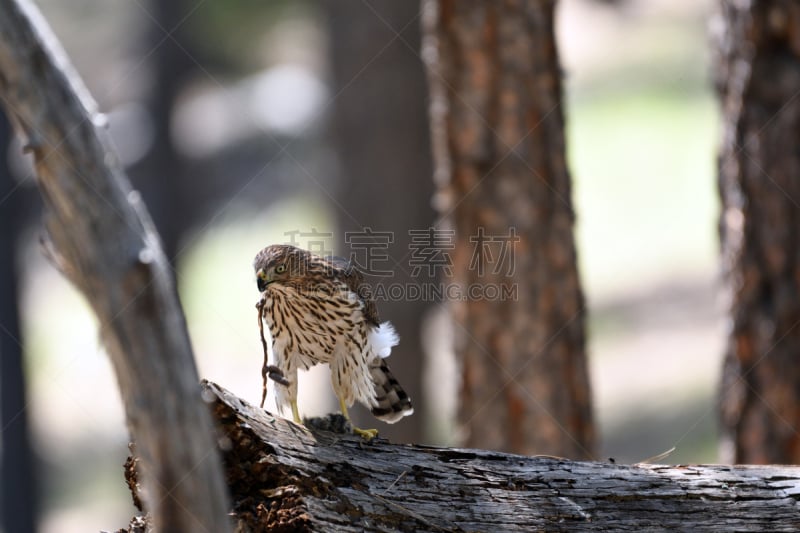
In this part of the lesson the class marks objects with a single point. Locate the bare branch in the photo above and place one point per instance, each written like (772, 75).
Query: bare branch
(106, 243)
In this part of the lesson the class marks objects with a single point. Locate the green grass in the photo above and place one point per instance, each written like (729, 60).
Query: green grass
(644, 185)
(642, 158)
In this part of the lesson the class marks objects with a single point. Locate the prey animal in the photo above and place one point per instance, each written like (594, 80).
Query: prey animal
(320, 310)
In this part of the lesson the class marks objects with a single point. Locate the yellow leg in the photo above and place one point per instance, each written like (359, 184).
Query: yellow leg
(367, 434)
(295, 414)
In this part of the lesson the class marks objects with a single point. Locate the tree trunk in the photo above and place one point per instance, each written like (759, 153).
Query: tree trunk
(103, 240)
(158, 176)
(758, 78)
(284, 477)
(498, 133)
(380, 131)
(19, 498)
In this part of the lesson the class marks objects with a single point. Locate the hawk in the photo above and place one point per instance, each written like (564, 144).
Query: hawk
(320, 310)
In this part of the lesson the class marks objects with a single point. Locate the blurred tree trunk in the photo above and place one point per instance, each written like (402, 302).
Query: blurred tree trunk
(498, 133)
(380, 131)
(158, 174)
(758, 78)
(102, 239)
(18, 481)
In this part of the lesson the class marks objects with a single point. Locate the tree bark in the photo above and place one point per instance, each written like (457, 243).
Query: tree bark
(758, 78)
(498, 138)
(380, 132)
(104, 241)
(284, 477)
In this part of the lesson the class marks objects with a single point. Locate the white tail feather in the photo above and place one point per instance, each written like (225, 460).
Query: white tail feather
(382, 339)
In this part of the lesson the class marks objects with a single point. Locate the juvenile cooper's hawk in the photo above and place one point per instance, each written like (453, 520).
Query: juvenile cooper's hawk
(319, 310)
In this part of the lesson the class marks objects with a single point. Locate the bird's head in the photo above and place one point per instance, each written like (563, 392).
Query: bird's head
(279, 263)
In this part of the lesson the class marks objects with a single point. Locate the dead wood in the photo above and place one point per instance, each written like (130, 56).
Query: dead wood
(284, 477)
(102, 238)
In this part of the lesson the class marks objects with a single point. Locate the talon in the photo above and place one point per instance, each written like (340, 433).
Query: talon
(275, 374)
(366, 434)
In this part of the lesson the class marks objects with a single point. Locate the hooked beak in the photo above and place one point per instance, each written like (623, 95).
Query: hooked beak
(262, 280)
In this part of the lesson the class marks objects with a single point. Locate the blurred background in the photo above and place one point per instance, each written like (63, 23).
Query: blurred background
(254, 108)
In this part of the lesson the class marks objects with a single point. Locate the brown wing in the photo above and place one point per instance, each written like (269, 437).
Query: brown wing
(355, 281)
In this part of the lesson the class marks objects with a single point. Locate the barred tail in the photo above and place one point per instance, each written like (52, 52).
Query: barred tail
(391, 401)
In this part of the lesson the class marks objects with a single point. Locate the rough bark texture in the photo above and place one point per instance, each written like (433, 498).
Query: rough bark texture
(104, 241)
(286, 478)
(758, 78)
(498, 134)
(380, 131)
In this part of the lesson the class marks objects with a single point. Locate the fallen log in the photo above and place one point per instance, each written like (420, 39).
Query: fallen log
(285, 477)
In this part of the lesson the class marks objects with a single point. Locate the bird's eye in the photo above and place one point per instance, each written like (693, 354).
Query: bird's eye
(280, 269)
